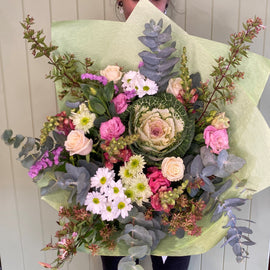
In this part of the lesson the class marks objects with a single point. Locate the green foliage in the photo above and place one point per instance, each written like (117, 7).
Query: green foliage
(225, 73)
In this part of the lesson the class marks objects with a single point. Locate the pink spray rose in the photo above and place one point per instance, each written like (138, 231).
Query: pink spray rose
(217, 139)
(120, 103)
(111, 129)
(77, 143)
(156, 179)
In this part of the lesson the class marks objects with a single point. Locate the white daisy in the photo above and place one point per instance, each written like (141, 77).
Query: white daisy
(121, 206)
(108, 213)
(132, 80)
(125, 174)
(141, 189)
(95, 202)
(136, 164)
(115, 189)
(147, 87)
(102, 178)
(83, 119)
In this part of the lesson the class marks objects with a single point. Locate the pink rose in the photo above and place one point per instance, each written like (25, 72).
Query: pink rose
(217, 139)
(77, 143)
(157, 180)
(111, 129)
(120, 103)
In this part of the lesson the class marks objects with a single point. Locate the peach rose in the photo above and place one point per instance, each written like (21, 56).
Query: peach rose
(173, 168)
(112, 73)
(77, 143)
(175, 87)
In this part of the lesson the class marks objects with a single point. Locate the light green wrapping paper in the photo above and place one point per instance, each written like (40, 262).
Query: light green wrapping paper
(109, 43)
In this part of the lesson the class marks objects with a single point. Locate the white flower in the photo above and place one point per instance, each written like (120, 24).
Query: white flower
(132, 80)
(141, 189)
(125, 174)
(95, 202)
(121, 206)
(147, 87)
(115, 189)
(83, 119)
(102, 178)
(173, 168)
(136, 164)
(108, 213)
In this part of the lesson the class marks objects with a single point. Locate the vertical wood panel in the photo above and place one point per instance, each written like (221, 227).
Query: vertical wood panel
(199, 21)
(63, 10)
(225, 19)
(9, 213)
(19, 113)
(110, 10)
(91, 9)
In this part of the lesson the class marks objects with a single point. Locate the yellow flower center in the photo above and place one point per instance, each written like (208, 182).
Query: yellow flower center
(96, 200)
(121, 205)
(84, 121)
(103, 180)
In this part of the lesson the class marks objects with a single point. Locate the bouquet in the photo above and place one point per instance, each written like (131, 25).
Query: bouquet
(145, 155)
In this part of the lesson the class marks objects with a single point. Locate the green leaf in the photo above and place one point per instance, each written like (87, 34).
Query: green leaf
(108, 92)
(96, 105)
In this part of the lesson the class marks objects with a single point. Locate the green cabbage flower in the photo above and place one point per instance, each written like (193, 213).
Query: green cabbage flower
(163, 125)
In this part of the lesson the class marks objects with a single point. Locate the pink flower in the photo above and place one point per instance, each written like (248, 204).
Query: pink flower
(155, 202)
(111, 129)
(217, 139)
(120, 103)
(156, 179)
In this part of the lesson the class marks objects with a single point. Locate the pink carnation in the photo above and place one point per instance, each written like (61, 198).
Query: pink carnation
(217, 139)
(155, 202)
(111, 129)
(120, 103)
(156, 179)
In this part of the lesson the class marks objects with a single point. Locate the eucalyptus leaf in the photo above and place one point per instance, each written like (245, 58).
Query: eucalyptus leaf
(73, 105)
(18, 140)
(59, 138)
(28, 146)
(138, 251)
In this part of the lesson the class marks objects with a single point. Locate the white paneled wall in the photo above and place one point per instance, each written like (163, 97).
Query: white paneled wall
(26, 98)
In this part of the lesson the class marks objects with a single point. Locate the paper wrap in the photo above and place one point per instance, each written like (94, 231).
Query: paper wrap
(109, 43)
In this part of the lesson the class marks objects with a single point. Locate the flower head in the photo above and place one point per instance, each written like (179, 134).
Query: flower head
(102, 178)
(83, 119)
(111, 129)
(95, 202)
(121, 206)
(136, 164)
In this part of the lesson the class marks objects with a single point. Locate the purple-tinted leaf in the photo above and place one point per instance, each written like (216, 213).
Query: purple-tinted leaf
(245, 230)
(208, 186)
(209, 170)
(222, 158)
(207, 157)
(222, 189)
(233, 202)
(237, 249)
(196, 166)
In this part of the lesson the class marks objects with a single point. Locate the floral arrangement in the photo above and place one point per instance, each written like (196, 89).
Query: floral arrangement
(139, 154)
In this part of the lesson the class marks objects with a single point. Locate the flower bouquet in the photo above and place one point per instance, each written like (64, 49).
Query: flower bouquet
(152, 154)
